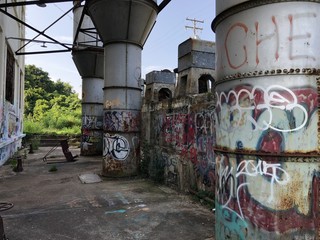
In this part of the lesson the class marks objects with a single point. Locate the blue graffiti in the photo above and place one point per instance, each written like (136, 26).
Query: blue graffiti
(229, 225)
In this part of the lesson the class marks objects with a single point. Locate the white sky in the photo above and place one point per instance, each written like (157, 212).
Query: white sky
(160, 51)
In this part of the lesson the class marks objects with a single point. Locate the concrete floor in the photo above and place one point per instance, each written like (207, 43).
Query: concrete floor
(58, 206)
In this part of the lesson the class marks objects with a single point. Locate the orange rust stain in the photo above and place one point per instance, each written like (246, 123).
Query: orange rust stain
(292, 195)
(112, 165)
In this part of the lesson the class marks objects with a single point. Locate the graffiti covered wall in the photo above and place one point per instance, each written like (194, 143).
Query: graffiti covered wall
(266, 116)
(185, 133)
(91, 135)
(259, 198)
(10, 132)
(267, 121)
(120, 153)
(270, 180)
(121, 143)
(11, 85)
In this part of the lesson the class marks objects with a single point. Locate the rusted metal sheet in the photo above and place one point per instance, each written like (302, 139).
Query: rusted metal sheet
(267, 120)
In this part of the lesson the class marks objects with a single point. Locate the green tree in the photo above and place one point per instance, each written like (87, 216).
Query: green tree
(52, 105)
(31, 96)
(63, 88)
(37, 78)
(41, 107)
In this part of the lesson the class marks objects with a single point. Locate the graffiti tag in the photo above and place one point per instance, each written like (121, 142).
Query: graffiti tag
(116, 146)
(258, 99)
(230, 184)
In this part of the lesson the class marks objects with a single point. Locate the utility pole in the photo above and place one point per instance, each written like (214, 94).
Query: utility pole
(194, 27)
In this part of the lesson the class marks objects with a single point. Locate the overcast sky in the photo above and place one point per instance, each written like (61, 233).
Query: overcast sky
(160, 50)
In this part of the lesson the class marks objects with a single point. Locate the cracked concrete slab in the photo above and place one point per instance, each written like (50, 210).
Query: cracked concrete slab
(57, 206)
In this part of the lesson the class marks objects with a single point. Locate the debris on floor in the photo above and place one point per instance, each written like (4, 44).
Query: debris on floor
(90, 178)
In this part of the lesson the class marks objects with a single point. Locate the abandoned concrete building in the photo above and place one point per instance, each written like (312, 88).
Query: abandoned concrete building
(111, 106)
(238, 118)
(11, 84)
(178, 119)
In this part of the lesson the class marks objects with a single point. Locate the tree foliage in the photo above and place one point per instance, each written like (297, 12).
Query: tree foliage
(53, 105)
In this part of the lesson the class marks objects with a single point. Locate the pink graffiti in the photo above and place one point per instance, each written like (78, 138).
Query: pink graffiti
(238, 58)
(245, 30)
(267, 37)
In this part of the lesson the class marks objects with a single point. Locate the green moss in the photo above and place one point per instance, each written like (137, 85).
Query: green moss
(53, 168)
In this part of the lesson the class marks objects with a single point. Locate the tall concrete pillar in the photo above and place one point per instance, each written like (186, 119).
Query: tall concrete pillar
(88, 57)
(123, 26)
(267, 119)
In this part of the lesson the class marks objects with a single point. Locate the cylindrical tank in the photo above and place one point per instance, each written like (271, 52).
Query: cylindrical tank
(92, 117)
(122, 107)
(88, 57)
(123, 26)
(267, 120)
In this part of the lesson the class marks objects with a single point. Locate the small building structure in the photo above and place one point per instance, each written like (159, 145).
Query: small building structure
(196, 67)
(180, 130)
(160, 85)
(11, 84)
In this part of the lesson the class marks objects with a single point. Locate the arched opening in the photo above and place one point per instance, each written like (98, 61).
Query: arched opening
(164, 93)
(205, 82)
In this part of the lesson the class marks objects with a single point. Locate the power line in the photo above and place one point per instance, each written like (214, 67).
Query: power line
(194, 27)
(63, 11)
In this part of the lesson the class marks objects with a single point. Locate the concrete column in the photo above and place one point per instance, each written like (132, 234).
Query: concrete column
(88, 58)
(123, 26)
(267, 120)
(122, 107)
(92, 116)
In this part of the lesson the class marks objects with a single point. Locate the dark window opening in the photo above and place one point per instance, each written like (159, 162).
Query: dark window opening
(205, 82)
(10, 77)
(148, 94)
(164, 93)
(183, 85)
